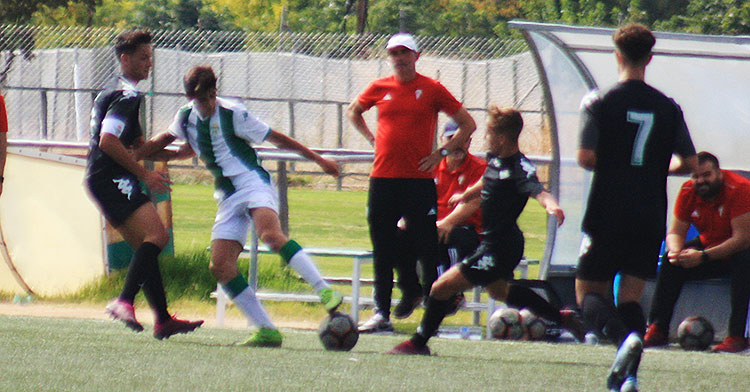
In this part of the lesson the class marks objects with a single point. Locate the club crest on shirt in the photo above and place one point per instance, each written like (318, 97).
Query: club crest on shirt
(503, 174)
(128, 93)
(528, 167)
(721, 210)
(695, 214)
(485, 263)
(418, 93)
(214, 130)
(461, 179)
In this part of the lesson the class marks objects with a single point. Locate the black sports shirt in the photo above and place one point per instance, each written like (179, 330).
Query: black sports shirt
(633, 129)
(508, 183)
(116, 110)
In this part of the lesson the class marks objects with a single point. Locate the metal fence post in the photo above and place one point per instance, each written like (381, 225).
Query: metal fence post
(290, 105)
(43, 113)
(283, 185)
(340, 142)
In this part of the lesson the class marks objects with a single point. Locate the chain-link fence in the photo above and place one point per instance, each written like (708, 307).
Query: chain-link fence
(298, 83)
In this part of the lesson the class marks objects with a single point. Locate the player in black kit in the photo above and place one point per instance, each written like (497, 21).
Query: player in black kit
(112, 178)
(507, 183)
(629, 135)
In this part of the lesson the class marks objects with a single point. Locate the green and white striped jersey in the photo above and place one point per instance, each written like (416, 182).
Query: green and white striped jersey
(223, 142)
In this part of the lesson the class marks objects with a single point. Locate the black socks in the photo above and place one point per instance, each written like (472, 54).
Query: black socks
(144, 272)
(524, 297)
(433, 315)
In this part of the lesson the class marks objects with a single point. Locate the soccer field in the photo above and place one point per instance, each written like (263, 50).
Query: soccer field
(44, 354)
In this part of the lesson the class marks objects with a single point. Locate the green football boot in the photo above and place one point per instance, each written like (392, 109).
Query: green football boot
(331, 299)
(264, 337)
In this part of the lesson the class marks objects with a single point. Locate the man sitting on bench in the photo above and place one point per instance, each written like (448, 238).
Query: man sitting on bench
(717, 202)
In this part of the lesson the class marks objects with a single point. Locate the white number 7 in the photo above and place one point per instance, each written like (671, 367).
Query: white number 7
(645, 123)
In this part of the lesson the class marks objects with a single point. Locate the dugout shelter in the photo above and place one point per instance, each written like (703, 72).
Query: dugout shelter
(707, 75)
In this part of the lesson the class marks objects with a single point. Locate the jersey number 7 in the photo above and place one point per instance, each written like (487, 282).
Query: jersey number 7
(645, 121)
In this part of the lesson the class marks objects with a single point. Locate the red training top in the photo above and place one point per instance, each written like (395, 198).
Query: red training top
(449, 183)
(407, 119)
(3, 116)
(713, 218)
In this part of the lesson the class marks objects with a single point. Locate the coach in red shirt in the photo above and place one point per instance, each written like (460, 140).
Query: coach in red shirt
(717, 203)
(401, 183)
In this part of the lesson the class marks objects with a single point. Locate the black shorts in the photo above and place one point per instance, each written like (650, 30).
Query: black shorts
(493, 260)
(604, 255)
(117, 197)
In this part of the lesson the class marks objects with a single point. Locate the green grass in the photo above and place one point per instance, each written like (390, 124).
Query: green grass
(41, 354)
(317, 218)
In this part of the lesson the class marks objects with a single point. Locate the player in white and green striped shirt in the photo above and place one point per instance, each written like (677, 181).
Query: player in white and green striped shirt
(221, 133)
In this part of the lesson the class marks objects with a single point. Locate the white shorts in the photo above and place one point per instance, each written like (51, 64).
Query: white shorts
(233, 215)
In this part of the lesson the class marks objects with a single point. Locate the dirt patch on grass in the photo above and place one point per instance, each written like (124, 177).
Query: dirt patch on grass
(144, 315)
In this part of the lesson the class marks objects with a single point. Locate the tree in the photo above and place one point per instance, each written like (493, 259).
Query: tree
(730, 17)
(21, 11)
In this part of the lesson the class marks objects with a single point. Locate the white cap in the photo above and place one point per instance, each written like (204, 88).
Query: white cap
(403, 39)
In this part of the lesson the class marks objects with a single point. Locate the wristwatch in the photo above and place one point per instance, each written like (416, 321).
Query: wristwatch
(444, 152)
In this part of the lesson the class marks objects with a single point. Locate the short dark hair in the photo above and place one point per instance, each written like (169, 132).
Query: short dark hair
(506, 121)
(128, 42)
(199, 81)
(634, 42)
(704, 157)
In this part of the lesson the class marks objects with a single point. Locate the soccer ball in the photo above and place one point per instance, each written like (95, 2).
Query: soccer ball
(506, 324)
(338, 332)
(534, 327)
(695, 333)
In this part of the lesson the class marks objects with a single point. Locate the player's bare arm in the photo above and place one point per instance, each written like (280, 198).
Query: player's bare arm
(283, 141)
(354, 113)
(154, 148)
(466, 126)
(586, 158)
(460, 214)
(111, 145)
(675, 240)
(550, 205)
(184, 152)
(469, 194)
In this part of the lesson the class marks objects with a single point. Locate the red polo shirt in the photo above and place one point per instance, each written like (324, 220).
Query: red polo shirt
(407, 119)
(713, 218)
(448, 183)
(3, 116)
